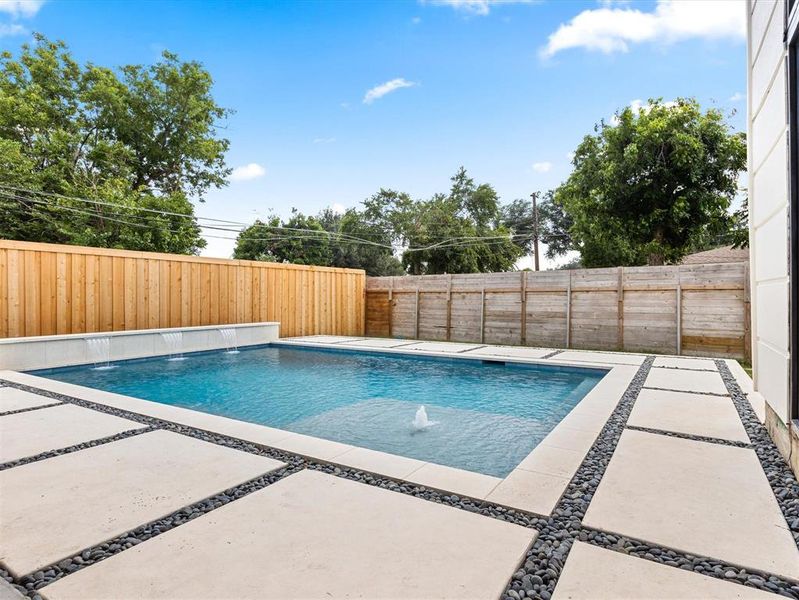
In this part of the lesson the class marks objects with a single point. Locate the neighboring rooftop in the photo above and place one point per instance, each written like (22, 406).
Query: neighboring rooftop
(723, 254)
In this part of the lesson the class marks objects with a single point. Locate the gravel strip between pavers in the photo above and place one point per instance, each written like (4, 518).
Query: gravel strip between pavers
(538, 574)
(690, 436)
(30, 408)
(69, 449)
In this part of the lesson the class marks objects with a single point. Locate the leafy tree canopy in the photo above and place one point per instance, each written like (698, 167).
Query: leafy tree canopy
(139, 136)
(646, 187)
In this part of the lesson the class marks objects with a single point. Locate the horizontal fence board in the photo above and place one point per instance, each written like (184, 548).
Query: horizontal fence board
(631, 308)
(48, 289)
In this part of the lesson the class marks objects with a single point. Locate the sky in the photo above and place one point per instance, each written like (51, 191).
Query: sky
(334, 99)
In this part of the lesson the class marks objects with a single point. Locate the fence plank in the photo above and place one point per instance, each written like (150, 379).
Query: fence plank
(49, 288)
(632, 308)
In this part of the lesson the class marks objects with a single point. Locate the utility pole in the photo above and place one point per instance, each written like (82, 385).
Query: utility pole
(534, 196)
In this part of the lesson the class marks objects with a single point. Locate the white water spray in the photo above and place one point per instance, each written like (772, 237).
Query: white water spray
(230, 340)
(420, 421)
(174, 344)
(99, 352)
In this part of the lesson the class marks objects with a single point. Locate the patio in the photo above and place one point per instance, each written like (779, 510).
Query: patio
(678, 492)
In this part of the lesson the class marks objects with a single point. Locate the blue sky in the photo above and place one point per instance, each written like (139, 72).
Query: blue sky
(506, 89)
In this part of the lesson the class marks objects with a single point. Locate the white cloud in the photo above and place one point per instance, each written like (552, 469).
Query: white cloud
(321, 140)
(737, 97)
(611, 29)
(386, 88)
(338, 208)
(542, 167)
(9, 29)
(416, 20)
(247, 172)
(20, 8)
(475, 7)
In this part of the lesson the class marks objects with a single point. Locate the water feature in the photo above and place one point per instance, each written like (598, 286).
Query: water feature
(230, 340)
(98, 350)
(174, 344)
(420, 421)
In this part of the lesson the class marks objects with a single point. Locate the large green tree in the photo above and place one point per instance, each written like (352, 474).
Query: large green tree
(553, 225)
(457, 232)
(300, 240)
(136, 137)
(651, 183)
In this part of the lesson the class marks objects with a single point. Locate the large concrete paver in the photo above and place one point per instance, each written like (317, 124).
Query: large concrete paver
(686, 381)
(53, 508)
(29, 433)
(697, 497)
(14, 399)
(593, 573)
(694, 414)
(313, 535)
(378, 343)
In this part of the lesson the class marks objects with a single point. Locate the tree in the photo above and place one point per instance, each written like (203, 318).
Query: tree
(373, 254)
(138, 137)
(646, 185)
(300, 240)
(458, 232)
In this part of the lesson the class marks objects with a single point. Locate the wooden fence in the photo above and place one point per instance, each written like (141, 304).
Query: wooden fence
(689, 309)
(52, 289)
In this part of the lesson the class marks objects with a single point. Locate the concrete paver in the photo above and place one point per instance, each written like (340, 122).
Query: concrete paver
(694, 414)
(29, 433)
(53, 508)
(593, 573)
(313, 535)
(686, 381)
(14, 399)
(698, 497)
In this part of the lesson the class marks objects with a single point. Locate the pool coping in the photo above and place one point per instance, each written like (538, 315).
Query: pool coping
(535, 485)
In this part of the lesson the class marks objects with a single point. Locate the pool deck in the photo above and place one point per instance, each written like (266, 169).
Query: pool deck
(661, 483)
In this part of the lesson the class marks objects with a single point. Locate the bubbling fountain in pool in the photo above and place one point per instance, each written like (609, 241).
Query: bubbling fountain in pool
(99, 352)
(174, 344)
(420, 421)
(230, 340)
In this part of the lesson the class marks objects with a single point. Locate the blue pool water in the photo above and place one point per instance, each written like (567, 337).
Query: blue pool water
(488, 416)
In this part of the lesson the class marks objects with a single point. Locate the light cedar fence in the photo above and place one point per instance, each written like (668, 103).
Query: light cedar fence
(686, 309)
(53, 289)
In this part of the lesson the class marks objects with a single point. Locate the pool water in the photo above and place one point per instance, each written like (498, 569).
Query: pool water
(487, 416)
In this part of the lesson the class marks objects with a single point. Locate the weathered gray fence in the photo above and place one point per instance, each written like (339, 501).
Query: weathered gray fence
(687, 309)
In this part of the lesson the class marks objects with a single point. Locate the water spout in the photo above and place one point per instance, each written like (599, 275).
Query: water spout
(230, 340)
(99, 352)
(174, 344)
(420, 421)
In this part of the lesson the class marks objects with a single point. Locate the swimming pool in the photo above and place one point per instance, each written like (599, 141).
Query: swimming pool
(483, 416)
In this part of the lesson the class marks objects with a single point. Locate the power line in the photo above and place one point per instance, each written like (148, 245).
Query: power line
(465, 241)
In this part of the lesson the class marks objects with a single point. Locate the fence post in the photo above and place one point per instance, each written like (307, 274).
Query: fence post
(416, 327)
(449, 307)
(524, 308)
(620, 298)
(679, 315)
(390, 305)
(569, 310)
(482, 314)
